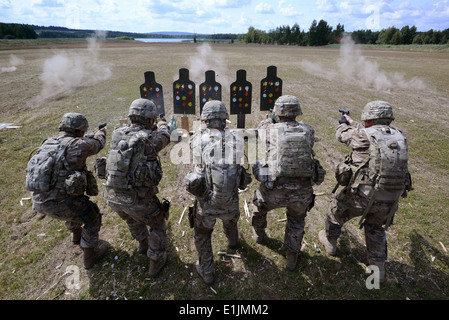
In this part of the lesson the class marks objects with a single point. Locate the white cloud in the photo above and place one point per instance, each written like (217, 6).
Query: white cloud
(326, 5)
(264, 8)
(288, 10)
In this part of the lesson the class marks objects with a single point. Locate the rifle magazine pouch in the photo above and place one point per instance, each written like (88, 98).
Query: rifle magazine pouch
(195, 183)
(343, 173)
(76, 183)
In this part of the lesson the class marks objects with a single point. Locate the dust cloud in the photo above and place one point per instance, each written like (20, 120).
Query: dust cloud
(206, 59)
(353, 67)
(66, 71)
(14, 62)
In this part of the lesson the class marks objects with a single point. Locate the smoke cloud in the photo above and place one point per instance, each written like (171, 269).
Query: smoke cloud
(206, 59)
(14, 62)
(355, 68)
(67, 71)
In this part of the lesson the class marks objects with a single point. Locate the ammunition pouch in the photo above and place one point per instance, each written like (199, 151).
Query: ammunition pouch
(195, 184)
(344, 172)
(76, 183)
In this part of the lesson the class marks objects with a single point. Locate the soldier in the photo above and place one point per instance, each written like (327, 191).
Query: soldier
(286, 175)
(215, 182)
(65, 199)
(133, 173)
(373, 184)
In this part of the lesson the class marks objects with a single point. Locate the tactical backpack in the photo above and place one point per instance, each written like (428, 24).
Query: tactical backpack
(291, 155)
(223, 176)
(46, 167)
(127, 165)
(388, 158)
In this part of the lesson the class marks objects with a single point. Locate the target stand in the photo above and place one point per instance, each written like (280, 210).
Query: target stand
(184, 97)
(241, 97)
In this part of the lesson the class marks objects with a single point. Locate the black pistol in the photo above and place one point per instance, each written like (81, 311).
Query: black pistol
(101, 126)
(343, 119)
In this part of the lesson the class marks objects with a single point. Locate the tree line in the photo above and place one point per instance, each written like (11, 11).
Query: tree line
(17, 31)
(321, 33)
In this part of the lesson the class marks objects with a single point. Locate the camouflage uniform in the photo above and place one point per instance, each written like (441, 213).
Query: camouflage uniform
(145, 209)
(352, 201)
(205, 216)
(294, 194)
(75, 210)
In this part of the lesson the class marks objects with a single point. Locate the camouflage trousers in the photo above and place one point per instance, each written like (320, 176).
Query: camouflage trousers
(141, 214)
(77, 212)
(297, 198)
(204, 227)
(346, 206)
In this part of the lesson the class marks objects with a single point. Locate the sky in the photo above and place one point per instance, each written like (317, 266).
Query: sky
(225, 16)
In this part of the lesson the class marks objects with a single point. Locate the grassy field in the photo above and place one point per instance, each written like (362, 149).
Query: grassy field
(36, 254)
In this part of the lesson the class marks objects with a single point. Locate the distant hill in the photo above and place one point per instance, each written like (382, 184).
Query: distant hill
(63, 32)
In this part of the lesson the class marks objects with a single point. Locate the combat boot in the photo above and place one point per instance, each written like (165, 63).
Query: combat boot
(156, 266)
(292, 257)
(143, 246)
(76, 236)
(329, 244)
(208, 278)
(259, 235)
(93, 255)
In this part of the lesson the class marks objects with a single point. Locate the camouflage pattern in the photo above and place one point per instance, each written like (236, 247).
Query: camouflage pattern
(214, 110)
(140, 207)
(143, 108)
(352, 201)
(142, 213)
(204, 220)
(204, 227)
(287, 106)
(295, 194)
(377, 110)
(73, 121)
(346, 206)
(75, 210)
(290, 150)
(296, 197)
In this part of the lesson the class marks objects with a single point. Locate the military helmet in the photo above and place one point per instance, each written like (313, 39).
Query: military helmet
(73, 121)
(214, 110)
(287, 106)
(377, 110)
(143, 108)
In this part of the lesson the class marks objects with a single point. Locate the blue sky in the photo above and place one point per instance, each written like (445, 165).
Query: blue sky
(225, 16)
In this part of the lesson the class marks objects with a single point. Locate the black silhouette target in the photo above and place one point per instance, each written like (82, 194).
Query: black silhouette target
(241, 94)
(209, 90)
(183, 94)
(270, 89)
(153, 91)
